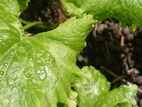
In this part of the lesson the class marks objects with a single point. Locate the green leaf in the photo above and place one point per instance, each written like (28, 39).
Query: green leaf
(90, 90)
(9, 12)
(126, 11)
(73, 37)
(13, 6)
(11, 22)
(95, 92)
(39, 71)
(23, 4)
(120, 97)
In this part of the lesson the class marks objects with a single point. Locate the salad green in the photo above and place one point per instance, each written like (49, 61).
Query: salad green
(128, 12)
(41, 71)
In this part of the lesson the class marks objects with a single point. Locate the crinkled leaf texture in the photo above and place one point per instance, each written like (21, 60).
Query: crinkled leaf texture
(127, 11)
(41, 71)
(95, 92)
(13, 6)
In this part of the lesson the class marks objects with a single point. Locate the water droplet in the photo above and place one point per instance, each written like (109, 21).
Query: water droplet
(32, 65)
(28, 74)
(48, 55)
(1, 73)
(39, 61)
(11, 82)
(39, 54)
(5, 64)
(1, 66)
(41, 74)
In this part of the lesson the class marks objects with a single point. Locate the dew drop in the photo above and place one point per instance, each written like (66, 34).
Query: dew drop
(1, 74)
(11, 82)
(5, 64)
(28, 74)
(41, 74)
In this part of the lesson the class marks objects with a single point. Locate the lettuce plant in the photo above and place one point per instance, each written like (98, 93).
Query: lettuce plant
(128, 12)
(41, 71)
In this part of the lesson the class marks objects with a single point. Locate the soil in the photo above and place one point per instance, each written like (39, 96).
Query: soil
(49, 12)
(111, 48)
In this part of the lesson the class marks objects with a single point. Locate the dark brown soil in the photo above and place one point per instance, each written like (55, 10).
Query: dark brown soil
(47, 11)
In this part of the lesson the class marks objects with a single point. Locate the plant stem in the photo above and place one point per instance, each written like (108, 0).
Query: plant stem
(120, 78)
(39, 24)
(110, 72)
(32, 24)
(24, 21)
(117, 77)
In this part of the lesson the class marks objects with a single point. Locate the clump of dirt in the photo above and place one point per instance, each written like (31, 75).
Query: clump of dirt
(49, 12)
(104, 48)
